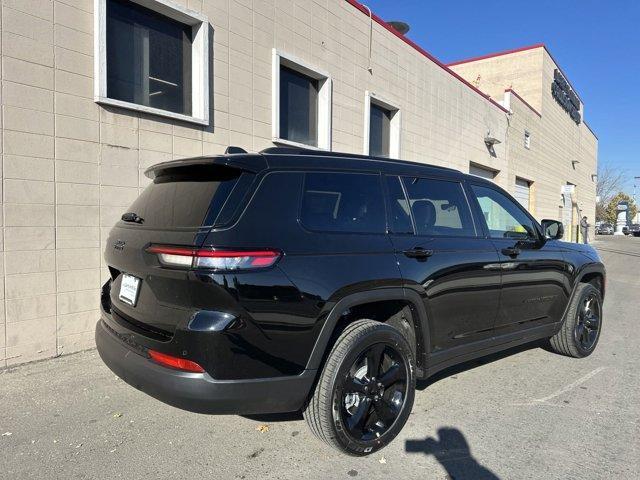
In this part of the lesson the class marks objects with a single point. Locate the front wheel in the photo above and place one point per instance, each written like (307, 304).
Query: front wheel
(581, 328)
(366, 389)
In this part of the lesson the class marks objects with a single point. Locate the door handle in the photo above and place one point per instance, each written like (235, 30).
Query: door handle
(418, 252)
(511, 251)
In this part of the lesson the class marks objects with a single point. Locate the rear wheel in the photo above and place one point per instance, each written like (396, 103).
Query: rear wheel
(366, 389)
(581, 328)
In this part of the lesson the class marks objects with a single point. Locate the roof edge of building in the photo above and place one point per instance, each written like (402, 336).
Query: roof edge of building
(591, 130)
(497, 54)
(511, 90)
(516, 50)
(367, 11)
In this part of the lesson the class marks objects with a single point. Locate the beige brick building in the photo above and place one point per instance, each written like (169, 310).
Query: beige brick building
(74, 152)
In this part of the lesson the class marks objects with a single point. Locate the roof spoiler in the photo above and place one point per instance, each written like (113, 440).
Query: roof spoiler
(250, 163)
(231, 149)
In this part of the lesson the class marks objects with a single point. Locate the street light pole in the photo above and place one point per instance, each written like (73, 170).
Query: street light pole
(635, 202)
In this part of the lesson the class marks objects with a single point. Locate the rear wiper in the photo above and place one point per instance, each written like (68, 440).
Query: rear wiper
(132, 217)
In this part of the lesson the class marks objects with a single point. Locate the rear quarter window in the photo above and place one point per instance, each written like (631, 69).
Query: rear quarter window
(343, 202)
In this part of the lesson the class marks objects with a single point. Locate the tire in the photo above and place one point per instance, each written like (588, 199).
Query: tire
(332, 412)
(578, 325)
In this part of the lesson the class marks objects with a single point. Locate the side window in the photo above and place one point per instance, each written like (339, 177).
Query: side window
(343, 202)
(505, 219)
(439, 207)
(399, 210)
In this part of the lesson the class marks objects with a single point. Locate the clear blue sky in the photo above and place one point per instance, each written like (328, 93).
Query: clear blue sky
(596, 42)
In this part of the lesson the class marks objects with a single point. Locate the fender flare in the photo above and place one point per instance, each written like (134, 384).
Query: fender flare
(359, 298)
(593, 267)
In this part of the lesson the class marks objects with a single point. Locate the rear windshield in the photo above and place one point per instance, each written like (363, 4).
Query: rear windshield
(193, 196)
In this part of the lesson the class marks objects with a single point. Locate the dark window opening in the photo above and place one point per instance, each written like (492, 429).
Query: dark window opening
(148, 58)
(379, 131)
(298, 107)
(343, 202)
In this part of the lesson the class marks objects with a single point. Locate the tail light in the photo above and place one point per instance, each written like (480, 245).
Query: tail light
(176, 363)
(215, 259)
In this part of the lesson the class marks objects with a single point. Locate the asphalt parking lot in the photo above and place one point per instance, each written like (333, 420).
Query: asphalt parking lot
(525, 414)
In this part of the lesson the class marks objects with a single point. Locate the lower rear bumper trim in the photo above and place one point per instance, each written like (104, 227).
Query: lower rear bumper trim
(198, 392)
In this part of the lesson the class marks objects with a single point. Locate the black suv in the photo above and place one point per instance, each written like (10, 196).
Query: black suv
(329, 283)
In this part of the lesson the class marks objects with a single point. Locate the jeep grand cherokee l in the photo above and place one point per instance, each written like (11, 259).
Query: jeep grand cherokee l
(328, 283)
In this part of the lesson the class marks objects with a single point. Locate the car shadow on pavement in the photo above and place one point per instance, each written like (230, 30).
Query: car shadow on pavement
(420, 384)
(452, 451)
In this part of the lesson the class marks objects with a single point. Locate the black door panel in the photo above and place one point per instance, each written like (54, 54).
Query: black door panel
(459, 283)
(456, 273)
(533, 286)
(534, 271)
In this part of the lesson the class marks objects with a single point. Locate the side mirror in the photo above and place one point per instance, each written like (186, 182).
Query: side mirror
(552, 229)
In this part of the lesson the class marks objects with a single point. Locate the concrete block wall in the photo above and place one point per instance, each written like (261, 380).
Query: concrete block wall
(520, 70)
(70, 167)
(561, 151)
(524, 162)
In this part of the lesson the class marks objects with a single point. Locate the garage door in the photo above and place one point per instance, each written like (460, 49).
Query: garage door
(482, 172)
(522, 192)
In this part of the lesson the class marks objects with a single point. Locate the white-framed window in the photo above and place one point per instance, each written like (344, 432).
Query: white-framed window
(381, 127)
(301, 108)
(527, 139)
(152, 56)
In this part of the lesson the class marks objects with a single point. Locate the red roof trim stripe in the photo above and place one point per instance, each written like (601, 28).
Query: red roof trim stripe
(497, 54)
(415, 46)
(510, 90)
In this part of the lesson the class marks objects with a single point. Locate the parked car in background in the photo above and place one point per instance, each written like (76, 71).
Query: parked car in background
(604, 229)
(328, 283)
(634, 229)
(625, 229)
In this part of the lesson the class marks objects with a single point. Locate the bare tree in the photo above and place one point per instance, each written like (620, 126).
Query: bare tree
(611, 180)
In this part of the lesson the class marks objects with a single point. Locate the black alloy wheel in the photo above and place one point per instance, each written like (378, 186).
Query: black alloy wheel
(580, 330)
(366, 389)
(587, 326)
(373, 392)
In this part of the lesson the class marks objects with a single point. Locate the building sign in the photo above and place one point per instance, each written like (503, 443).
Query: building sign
(565, 96)
(568, 189)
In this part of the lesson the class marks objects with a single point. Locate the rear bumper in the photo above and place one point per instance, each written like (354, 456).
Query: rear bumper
(199, 392)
